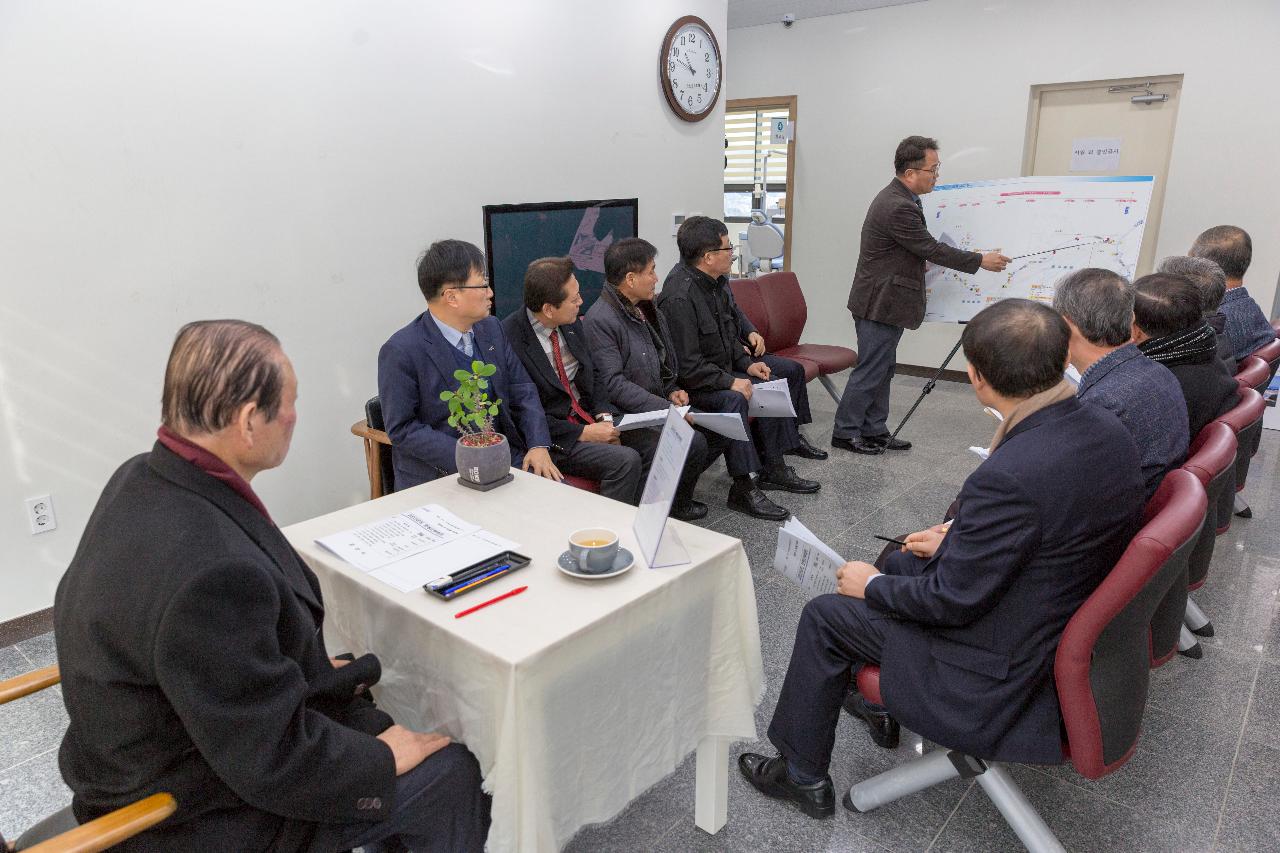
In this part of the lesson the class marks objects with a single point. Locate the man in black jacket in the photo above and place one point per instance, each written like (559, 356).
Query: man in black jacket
(887, 295)
(192, 656)
(716, 370)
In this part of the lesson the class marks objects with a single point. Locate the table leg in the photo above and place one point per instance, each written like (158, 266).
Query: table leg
(711, 784)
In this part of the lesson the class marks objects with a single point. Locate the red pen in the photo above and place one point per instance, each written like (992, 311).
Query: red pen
(484, 604)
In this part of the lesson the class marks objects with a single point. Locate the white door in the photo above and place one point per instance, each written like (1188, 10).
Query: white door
(1101, 116)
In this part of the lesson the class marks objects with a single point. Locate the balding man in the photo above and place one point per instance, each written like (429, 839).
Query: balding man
(1231, 248)
(192, 656)
(1211, 284)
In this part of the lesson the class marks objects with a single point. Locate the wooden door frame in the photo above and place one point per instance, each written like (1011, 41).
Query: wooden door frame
(790, 102)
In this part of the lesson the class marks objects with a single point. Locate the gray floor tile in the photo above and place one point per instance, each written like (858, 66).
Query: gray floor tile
(1263, 723)
(32, 725)
(1251, 817)
(31, 792)
(41, 650)
(1211, 692)
(13, 662)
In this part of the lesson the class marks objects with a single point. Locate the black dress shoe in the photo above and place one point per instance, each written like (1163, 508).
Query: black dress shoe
(690, 510)
(859, 445)
(769, 777)
(784, 477)
(750, 500)
(884, 729)
(805, 450)
(888, 442)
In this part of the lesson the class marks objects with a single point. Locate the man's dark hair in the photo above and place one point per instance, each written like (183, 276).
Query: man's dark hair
(697, 236)
(1099, 303)
(447, 262)
(1165, 304)
(544, 282)
(630, 255)
(1227, 246)
(1207, 276)
(1019, 347)
(215, 367)
(911, 153)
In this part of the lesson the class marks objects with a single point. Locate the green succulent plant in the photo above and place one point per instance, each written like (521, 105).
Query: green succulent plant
(471, 412)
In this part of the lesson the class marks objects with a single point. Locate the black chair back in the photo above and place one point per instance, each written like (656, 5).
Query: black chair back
(373, 416)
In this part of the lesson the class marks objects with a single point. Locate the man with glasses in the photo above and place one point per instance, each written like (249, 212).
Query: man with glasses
(888, 293)
(709, 336)
(418, 362)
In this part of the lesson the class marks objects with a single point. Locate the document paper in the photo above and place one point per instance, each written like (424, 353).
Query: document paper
(656, 418)
(771, 400)
(372, 546)
(728, 424)
(805, 559)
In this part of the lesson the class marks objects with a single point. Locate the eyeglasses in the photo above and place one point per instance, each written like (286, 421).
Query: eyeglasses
(933, 171)
(484, 286)
(728, 248)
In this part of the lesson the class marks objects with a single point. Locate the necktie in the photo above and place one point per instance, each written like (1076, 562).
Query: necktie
(464, 344)
(564, 380)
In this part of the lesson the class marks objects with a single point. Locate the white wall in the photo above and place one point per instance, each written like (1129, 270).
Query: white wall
(282, 162)
(962, 71)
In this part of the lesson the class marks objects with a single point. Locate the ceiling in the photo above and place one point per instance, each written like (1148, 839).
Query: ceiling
(751, 13)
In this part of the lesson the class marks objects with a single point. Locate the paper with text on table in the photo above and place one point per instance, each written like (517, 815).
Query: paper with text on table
(416, 571)
(379, 543)
(805, 559)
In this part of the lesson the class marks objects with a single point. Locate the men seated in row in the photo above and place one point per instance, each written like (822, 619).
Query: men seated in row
(1231, 248)
(418, 362)
(1098, 307)
(1211, 284)
(1169, 328)
(191, 650)
(548, 337)
(714, 367)
(966, 625)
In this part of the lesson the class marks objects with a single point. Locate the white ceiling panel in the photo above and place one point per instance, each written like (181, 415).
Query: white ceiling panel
(752, 13)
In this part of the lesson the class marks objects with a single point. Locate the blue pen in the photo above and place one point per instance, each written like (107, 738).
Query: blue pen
(456, 580)
(469, 581)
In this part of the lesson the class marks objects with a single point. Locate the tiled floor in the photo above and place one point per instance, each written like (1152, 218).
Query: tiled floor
(1204, 776)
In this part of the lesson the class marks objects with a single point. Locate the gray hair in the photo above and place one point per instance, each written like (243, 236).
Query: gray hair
(1206, 275)
(215, 367)
(1099, 303)
(1227, 246)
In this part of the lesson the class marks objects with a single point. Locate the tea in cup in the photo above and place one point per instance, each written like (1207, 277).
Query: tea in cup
(594, 549)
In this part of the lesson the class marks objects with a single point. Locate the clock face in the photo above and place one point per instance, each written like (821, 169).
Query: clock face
(690, 69)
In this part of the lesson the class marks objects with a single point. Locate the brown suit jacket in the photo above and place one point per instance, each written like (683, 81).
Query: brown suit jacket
(888, 286)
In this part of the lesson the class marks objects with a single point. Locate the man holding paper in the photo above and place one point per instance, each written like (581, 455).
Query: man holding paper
(965, 627)
(719, 374)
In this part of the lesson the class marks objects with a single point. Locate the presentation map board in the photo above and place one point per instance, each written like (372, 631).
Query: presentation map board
(1049, 226)
(516, 234)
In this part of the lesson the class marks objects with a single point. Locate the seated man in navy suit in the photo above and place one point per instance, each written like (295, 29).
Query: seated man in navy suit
(966, 627)
(549, 339)
(418, 362)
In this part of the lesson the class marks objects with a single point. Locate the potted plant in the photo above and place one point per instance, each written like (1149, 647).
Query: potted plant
(482, 453)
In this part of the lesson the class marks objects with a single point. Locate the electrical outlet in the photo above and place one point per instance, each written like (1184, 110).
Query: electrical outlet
(40, 514)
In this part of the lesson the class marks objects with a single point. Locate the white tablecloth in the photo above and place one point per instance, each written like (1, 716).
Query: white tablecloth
(576, 695)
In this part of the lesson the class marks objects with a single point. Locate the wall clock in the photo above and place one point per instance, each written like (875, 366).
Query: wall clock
(689, 68)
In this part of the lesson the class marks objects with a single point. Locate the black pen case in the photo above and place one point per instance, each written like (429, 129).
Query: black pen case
(472, 577)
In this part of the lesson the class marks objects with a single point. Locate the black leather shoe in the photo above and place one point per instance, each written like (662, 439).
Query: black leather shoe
(860, 445)
(769, 777)
(888, 442)
(751, 501)
(690, 510)
(784, 477)
(884, 729)
(805, 450)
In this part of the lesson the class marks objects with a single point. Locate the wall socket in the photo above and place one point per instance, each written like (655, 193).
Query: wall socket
(40, 514)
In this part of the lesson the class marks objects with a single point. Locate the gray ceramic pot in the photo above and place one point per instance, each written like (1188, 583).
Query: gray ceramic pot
(483, 465)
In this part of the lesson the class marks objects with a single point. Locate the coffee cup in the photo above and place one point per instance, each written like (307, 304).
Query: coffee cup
(594, 549)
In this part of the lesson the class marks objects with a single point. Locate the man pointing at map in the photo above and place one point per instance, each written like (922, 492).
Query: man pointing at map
(888, 293)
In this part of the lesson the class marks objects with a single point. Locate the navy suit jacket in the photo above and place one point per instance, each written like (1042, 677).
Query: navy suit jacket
(415, 365)
(555, 402)
(970, 638)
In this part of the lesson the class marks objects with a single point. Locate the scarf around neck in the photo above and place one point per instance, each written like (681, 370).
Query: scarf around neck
(1064, 390)
(1189, 345)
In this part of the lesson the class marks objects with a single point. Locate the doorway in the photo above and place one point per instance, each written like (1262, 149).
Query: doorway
(759, 175)
(1136, 115)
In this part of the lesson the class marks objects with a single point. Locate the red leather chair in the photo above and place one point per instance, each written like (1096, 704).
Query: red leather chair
(583, 483)
(1275, 324)
(1212, 461)
(1245, 419)
(1270, 353)
(750, 298)
(1101, 672)
(1253, 372)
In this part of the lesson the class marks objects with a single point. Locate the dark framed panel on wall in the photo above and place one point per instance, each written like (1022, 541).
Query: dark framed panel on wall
(517, 234)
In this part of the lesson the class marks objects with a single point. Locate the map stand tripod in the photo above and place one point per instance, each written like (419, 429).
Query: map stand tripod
(928, 387)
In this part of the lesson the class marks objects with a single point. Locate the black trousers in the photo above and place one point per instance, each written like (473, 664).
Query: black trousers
(645, 442)
(836, 634)
(617, 468)
(770, 437)
(439, 807)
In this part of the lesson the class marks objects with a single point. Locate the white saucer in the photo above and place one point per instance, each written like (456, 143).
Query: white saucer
(621, 562)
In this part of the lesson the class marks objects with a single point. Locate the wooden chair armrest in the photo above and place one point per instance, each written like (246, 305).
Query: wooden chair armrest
(28, 682)
(110, 829)
(362, 429)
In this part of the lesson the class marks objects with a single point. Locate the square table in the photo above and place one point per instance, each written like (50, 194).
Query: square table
(577, 695)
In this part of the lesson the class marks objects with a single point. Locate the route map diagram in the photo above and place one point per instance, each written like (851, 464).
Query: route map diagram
(1048, 226)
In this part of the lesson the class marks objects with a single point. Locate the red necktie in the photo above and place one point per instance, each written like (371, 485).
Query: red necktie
(564, 380)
